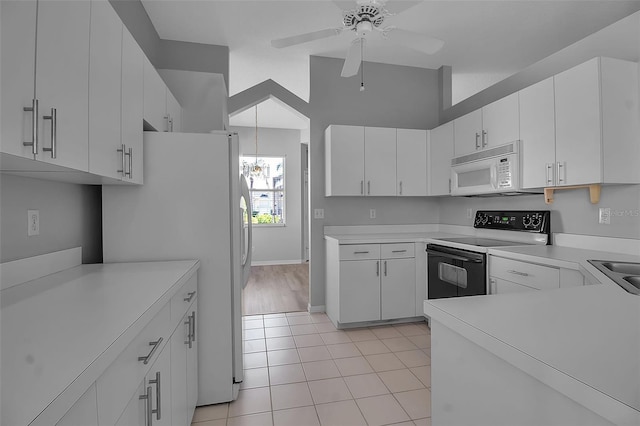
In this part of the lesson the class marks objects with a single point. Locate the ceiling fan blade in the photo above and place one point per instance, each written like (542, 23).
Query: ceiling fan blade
(304, 38)
(354, 57)
(416, 41)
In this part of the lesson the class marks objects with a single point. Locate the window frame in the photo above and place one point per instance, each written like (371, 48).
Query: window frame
(250, 159)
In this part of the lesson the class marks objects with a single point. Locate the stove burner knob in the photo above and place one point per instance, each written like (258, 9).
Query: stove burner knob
(481, 219)
(526, 221)
(536, 220)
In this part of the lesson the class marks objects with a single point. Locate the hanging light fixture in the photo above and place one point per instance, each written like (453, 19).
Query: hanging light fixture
(255, 168)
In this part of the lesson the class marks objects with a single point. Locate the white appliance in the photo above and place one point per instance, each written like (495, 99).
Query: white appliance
(493, 171)
(191, 207)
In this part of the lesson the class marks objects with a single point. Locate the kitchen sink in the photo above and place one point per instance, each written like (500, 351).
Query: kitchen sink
(623, 267)
(625, 274)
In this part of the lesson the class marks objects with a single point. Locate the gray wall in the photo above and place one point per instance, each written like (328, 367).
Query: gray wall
(394, 96)
(70, 216)
(278, 243)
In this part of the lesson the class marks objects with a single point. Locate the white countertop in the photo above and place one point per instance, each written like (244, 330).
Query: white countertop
(54, 327)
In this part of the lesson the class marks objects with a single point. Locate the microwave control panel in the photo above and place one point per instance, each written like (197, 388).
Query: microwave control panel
(504, 173)
(519, 220)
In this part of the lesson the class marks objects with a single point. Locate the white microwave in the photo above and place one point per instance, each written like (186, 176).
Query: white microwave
(490, 171)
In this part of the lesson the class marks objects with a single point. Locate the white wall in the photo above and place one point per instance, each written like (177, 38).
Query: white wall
(278, 244)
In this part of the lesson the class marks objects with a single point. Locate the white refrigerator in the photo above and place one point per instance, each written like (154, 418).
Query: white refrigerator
(192, 206)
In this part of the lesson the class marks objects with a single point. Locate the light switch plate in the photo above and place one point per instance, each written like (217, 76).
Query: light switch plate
(33, 222)
(604, 215)
(372, 213)
(318, 213)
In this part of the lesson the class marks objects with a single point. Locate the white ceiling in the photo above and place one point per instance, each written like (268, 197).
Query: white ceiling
(485, 41)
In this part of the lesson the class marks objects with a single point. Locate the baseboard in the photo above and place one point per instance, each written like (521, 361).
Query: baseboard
(275, 262)
(32, 268)
(316, 309)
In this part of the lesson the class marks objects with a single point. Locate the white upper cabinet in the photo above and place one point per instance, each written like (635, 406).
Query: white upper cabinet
(132, 106)
(62, 82)
(440, 155)
(105, 65)
(492, 125)
(173, 113)
(344, 160)
(379, 161)
(538, 134)
(411, 162)
(59, 123)
(18, 43)
(596, 107)
(155, 98)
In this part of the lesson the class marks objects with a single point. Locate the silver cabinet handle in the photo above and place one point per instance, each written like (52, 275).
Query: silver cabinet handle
(398, 251)
(54, 131)
(368, 187)
(157, 411)
(149, 412)
(378, 268)
(189, 296)
(477, 140)
(522, 274)
(549, 173)
(360, 252)
(167, 118)
(122, 150)
(385, 268)
(156, 345)
(493, 287)
(561, 171)
(400, 187)
(34, 126)
(188, 324)
(130, 172)
(485, 138)
(193, 330)
(361, 187)
(171, 124)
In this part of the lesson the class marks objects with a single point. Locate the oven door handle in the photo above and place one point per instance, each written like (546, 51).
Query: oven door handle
(453, 256)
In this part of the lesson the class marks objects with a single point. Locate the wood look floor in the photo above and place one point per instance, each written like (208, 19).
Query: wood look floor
(276, 288)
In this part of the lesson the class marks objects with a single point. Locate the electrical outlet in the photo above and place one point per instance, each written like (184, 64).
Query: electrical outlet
(318, 213)
(604, 216)
(33, 222)
(469, 213)
(372, 213)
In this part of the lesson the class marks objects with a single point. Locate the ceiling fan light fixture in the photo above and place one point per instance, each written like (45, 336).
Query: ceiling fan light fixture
(363, 28)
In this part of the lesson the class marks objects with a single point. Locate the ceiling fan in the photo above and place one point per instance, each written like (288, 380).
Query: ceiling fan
(368, 16)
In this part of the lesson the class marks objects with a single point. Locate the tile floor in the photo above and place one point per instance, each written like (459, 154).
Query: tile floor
(301, 371)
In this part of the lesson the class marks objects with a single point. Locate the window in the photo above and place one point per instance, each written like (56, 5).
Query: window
(265, 176)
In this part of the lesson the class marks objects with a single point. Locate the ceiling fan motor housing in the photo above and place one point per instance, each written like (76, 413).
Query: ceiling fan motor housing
(364, 19)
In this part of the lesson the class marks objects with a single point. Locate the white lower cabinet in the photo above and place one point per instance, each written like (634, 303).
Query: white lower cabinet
(84, 412)
(184, 369)
(370, 282)
(511, 276)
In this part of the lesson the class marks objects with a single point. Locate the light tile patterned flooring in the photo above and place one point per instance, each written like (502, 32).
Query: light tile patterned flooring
(301, 371)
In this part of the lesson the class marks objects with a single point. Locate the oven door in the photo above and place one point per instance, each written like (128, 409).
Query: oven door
(453, 272)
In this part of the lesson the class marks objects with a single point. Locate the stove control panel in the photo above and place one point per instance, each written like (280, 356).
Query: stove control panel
(518, 220)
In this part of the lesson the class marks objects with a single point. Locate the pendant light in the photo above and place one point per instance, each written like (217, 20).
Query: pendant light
(256, 169)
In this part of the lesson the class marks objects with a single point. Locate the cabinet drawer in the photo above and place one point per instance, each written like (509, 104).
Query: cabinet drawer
(395, 251)
(181, 301)
(529, 274)
(359, 251)
(118, 383)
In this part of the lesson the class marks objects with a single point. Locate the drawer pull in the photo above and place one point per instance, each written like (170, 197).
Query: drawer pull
(360, 252)
(189, 296)
(156, 381)
(398, 251)
(522, 274)
(156, 344)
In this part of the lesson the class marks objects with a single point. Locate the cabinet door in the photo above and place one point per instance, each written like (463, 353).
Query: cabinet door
(398, 288)
(105, 65)
(467, 133)
(192, 366)
(578, 128)
(84, 412)
(62, 80)
(359, 290)
(135, 414)
(500, 286)
(159, 378)
(344, 160)
(538, 135)
(132, 105)
(379, 161)
(174, 111)
(500, 122)
(411, 162)
(440, 154)
(179, 374)
(155, 101)
(17, 68)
